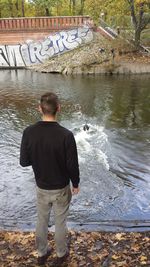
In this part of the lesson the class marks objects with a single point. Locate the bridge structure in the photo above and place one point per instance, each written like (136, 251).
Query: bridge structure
(28, 41)
(32, 40)
(19, 30)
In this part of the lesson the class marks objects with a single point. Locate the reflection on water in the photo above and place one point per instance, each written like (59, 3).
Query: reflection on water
(113, 153)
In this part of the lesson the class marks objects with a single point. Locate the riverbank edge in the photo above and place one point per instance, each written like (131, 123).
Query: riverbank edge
(102, 226)
(118, 68)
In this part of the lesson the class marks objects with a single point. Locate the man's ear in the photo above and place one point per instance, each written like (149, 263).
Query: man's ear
(58, 108)
(40, 109)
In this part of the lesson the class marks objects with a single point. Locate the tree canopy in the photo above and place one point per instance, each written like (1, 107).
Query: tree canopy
(28, 8)
(123, 13)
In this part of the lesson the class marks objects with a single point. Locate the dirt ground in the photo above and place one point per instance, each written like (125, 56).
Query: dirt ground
(87, 249)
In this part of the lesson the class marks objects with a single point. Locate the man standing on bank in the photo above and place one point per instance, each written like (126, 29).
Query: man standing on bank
(51, 151)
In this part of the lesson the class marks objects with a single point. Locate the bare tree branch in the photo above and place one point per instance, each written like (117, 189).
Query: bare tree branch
(132, 9)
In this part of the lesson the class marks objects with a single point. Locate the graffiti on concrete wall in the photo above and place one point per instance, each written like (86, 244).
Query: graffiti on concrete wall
(31, 52)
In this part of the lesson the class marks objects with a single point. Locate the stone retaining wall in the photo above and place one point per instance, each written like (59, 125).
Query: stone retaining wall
(108, 69)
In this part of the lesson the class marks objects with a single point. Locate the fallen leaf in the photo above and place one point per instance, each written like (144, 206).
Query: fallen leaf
(2, 242)
(135, 247)
(146, 239)
(119, 236)
(143, 258)
(115, 257)
(122, 264)
(34, 253)
(11, 257)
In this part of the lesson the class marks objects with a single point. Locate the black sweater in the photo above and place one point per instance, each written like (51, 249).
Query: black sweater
(51, 151)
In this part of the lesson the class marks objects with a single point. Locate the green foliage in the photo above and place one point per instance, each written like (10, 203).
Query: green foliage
(106, 9)
(15, 8)
(44, 7)
(123, 13)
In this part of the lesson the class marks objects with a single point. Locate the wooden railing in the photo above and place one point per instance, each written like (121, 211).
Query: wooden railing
(41, 23)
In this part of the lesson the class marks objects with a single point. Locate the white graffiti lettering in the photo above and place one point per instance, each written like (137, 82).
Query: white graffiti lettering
(33, 52)
(3, 57)
(14, 56)
(47, 49)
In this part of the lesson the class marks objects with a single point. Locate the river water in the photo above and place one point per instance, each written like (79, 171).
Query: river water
(114, 154)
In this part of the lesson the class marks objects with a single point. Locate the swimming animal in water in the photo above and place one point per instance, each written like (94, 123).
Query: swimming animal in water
(86, 127)
(101, 50)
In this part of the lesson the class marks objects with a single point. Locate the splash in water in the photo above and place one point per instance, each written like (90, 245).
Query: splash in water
(92, 143)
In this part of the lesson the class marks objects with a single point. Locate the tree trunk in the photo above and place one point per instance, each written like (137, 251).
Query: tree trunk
(70, 4)
(138, 20)
(11, 8)
(137, 38)
(22, 7)
(73, 7)
(47, 13)
(132, 10)
(82, 7)
(17, 5)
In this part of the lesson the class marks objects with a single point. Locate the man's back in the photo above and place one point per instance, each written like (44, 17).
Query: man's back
(51, 150)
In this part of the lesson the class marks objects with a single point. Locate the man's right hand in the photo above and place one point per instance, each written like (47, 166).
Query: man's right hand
(75, 190)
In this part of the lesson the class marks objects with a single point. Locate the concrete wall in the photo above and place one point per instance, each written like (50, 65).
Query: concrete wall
(36, 52)
(20, 37)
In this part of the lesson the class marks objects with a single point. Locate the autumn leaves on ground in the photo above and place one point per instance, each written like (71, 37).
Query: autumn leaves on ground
(93, 249)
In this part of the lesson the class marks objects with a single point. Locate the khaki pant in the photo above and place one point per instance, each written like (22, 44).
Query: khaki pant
(59, 200)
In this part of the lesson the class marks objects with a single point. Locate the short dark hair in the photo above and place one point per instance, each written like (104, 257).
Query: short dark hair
(49, 103)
